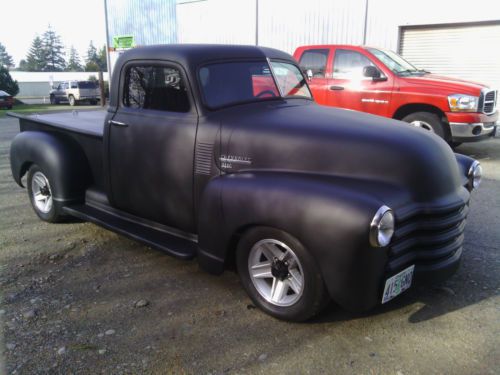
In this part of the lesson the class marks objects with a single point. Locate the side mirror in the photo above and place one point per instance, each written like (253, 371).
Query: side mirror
(372, 72)
(309, 74)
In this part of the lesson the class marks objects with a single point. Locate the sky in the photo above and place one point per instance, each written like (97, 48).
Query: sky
(77, 22)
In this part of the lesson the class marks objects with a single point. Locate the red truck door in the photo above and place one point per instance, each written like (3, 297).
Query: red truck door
(349, 88)
(318, 60)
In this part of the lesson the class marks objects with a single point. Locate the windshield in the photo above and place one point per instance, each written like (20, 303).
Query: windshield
(394, 62)
(87, 85)
(230, 83)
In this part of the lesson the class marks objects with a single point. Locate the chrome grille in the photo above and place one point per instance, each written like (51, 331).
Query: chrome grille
(489, 102)
(426, 239)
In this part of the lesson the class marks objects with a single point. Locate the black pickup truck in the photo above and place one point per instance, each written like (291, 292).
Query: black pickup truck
(220, 153)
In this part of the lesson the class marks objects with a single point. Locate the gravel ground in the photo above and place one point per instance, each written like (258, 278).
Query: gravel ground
(77, 299)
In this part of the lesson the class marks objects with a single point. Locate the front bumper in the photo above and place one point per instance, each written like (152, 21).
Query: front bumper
(471, 127)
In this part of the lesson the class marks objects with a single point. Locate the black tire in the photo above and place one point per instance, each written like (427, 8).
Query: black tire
(53, 100)
(314, 296)
(72, 101)
(430, 122)
(52, 215)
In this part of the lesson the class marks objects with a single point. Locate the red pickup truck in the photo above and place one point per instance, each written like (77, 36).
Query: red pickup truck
(381, 82)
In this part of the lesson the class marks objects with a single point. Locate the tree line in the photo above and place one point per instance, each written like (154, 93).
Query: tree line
(47, 54)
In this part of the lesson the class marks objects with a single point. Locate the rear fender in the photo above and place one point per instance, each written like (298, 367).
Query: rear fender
(61, 158)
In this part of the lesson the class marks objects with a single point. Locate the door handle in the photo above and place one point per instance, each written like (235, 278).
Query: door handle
(117, 123)
(336, 88)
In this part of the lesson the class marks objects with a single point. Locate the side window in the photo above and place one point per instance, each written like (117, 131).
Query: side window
(74, 85)
(65, 86)
(314, 59)
(155, 87)
(349, 64)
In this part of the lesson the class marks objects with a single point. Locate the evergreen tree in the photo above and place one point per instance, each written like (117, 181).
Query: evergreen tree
(5, 58)
(92, 59)
(74, 64)
(7, 83)
(23, 65)
(103, 60)
(36, 60)
(54, 51)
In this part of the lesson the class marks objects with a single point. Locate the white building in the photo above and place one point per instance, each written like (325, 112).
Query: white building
(457, 38)
(39, 84)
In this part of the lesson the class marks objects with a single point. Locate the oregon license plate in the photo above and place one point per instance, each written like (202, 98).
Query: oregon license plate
(397, 284)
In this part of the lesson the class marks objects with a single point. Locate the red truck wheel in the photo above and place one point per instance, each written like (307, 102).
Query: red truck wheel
(428, 121)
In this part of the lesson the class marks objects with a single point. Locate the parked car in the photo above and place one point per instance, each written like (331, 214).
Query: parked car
(220, 152)
(381, 82)
(6, 100)
(75, 92)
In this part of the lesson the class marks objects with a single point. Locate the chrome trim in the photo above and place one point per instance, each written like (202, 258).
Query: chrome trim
(485, 92)
(374, 226)
(470, 174)
(464, 129)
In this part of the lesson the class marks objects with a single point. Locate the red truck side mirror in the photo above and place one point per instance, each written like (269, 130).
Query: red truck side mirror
(373, 73)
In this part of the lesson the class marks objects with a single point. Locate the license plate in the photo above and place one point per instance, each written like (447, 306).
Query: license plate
(397, 284)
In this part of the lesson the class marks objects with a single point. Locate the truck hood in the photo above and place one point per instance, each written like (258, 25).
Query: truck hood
(301, 136)
(451, 85)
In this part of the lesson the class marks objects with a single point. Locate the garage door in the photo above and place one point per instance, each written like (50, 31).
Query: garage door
(470, 52)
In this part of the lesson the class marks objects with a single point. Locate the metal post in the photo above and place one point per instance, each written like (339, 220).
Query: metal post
(108, 59)
(101, 89)
(256, 22)
(366, 22)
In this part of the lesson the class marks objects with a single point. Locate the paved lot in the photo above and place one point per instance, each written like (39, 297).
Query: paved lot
(70, 292)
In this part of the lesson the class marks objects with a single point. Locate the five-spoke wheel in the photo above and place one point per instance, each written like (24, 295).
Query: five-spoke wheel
(42, 195)
(280, 275)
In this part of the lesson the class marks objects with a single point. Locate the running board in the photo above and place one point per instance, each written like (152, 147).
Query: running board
(167, 242)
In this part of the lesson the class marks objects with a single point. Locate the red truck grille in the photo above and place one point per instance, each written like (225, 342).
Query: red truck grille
(489, 102)
(427, 239)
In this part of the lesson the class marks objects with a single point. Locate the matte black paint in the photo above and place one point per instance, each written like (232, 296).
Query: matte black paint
(317, 173)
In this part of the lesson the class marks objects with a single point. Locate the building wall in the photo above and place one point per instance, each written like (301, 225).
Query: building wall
(386, 16)
(39, 84)
(149, 21)
(286, 24)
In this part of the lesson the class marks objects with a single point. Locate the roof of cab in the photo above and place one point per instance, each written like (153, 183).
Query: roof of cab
(193, 55)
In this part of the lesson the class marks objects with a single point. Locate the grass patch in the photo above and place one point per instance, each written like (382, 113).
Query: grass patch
(40, 108)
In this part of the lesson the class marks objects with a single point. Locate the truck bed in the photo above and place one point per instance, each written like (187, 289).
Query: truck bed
(83, 122)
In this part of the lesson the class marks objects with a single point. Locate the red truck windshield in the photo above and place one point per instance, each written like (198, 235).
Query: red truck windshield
(395, 62)
(228, 83)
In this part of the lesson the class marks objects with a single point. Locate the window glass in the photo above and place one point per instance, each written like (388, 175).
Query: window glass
(290, 80)
(394, 62)
(155, 87)
(315, 60)
(74, 85)
(349, 64)
(230, 83)
(87, 84)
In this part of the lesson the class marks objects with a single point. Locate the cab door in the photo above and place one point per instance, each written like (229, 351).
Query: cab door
(317, 61)
(350, 88)
(150, 145)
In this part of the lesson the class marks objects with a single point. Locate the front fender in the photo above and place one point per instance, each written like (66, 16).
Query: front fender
(61, 159)
(329, 215)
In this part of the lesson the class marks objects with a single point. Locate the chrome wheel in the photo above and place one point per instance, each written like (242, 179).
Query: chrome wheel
(276, 272)
(423, 125)
(42, 194)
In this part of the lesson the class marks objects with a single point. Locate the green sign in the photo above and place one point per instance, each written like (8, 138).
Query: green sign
(123, 41)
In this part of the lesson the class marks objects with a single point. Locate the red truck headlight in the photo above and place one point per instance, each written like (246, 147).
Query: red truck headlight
(463, 103)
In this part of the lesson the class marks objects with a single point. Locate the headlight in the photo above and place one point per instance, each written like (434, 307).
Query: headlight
(463, 103)
(382, 227)
(475, 174)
